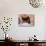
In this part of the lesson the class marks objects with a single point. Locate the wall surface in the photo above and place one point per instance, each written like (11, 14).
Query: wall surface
(12, 8)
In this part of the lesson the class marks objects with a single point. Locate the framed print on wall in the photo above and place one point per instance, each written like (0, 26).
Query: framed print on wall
(26, 20)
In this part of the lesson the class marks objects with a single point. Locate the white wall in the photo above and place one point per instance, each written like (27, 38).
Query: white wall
(13, 8)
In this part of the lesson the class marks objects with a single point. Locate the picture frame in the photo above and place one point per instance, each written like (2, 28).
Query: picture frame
(26, 20)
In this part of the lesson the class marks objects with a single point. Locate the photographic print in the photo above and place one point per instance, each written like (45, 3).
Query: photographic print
(26, 20)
